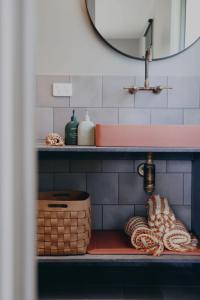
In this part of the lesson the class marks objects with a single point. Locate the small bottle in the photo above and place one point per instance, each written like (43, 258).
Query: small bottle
(86, 132)
(71, 130)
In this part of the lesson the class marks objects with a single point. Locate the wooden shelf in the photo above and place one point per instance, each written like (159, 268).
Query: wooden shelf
(41, 147)
(120, 259)
(93, 152)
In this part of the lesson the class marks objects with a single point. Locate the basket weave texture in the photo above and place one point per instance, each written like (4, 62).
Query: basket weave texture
(63, 223)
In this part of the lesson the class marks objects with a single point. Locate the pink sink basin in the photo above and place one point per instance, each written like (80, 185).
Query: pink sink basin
(148, 136)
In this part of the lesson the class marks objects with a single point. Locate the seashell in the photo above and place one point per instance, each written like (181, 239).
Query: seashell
(54, 139)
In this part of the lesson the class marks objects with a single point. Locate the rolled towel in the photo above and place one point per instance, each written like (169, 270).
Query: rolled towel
(161, 218)
(142, 237)
(179, 239)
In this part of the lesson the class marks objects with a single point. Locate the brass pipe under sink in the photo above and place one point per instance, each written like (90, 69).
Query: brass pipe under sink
(147, 171)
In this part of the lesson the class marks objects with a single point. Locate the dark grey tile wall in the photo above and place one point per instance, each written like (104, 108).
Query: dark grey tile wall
(69, 181)
(116, 190)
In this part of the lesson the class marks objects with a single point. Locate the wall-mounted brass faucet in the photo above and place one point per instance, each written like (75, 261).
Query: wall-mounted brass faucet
(147, 88)
(147, 171)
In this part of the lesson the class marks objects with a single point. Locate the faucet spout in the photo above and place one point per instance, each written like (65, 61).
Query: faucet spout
(147, 88)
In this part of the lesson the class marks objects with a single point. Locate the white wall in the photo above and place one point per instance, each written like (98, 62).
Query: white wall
(68, 44)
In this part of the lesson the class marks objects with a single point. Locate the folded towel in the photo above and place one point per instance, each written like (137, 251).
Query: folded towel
(142, 237)
(179, 239)
(159, 230)
(161, 218)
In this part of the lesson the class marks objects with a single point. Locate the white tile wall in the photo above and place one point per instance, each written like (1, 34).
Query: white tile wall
(87, 91)
(185, 92)
(44, 91)
(113, 93)
(150, 100)
(192, 116)
(166, 116)
(43, 122)
(108, 103)
(134, 116)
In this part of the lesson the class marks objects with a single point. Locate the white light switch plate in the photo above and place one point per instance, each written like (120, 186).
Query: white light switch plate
(62, 89)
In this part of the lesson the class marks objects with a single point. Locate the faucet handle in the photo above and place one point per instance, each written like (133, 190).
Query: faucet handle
(131, 90)
(156, 89)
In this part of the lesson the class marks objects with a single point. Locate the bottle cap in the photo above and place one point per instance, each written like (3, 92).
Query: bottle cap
(87, 117)
(73, 117)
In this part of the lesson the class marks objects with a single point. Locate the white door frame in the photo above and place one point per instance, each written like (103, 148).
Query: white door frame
(17, 156)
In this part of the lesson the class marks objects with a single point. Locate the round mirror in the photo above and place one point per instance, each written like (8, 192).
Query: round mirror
(166, 27)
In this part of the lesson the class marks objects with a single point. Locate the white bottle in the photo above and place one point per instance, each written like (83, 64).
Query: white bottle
(86, 132)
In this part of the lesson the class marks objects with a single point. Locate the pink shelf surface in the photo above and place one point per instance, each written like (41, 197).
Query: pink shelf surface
(116, 242)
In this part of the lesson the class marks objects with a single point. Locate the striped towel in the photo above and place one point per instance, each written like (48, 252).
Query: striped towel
(142, 237)
(161, 218)
(159, 230)
(179, 239)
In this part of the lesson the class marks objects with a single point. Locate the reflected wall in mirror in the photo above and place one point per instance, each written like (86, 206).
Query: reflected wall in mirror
(131, 27)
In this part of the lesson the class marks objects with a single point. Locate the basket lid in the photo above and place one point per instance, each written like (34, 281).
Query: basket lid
(67, 195)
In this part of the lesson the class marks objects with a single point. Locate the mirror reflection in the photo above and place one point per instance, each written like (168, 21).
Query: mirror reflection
(167, 27)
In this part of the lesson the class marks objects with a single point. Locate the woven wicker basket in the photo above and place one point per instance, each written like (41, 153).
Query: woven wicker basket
(63, 223)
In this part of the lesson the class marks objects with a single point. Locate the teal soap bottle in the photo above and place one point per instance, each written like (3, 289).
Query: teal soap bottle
(71, 131)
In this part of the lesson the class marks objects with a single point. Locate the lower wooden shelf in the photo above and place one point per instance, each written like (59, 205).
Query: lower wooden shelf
(120, 259)
(110, 247)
